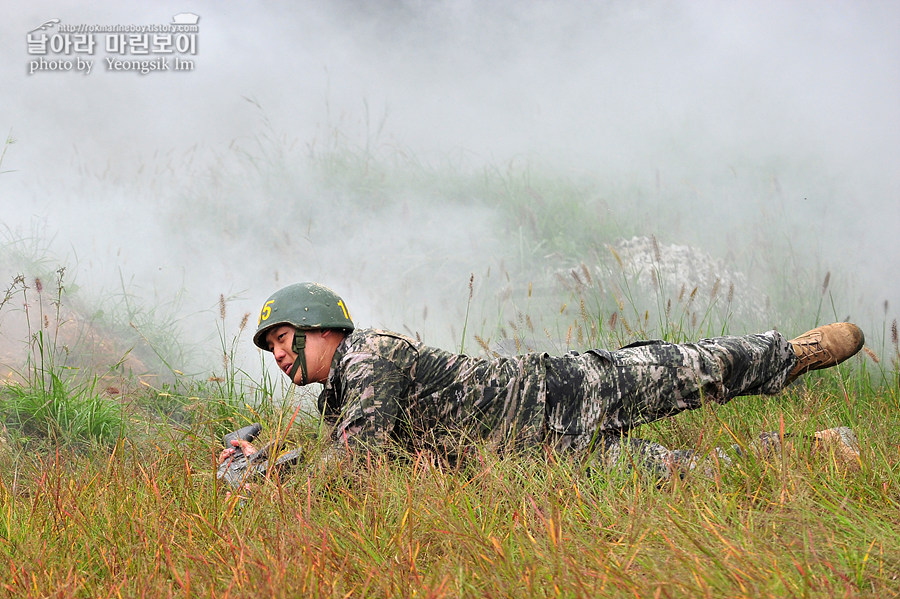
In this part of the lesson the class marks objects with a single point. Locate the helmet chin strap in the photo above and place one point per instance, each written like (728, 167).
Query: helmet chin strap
(299, 348)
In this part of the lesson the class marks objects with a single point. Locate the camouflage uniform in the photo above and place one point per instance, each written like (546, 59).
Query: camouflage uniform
(384, 387)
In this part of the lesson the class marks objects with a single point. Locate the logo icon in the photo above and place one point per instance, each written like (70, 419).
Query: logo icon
(185, 18)
(46, 25)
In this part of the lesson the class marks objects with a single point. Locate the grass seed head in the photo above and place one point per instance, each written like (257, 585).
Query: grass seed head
(38, 285)
(617, 257)
(627, 326)
(825, 282)
(577, 279)
(715, 289)
(222, 306)
(871, 354)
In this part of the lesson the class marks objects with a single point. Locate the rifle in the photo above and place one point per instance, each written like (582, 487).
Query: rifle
(238, 469)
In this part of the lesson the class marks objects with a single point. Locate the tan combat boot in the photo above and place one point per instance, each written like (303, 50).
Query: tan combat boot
(825, 346)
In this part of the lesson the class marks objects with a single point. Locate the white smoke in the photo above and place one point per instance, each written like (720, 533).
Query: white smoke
(720, 125)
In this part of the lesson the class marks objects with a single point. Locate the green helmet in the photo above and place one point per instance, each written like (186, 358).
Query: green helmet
(305, 306)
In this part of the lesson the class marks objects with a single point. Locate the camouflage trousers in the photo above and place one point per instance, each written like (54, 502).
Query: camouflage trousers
(595, 398)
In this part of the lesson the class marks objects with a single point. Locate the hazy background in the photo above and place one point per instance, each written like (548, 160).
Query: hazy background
(714, 124)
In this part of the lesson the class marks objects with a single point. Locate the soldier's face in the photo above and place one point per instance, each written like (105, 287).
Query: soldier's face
(280, 341)
(318, 358)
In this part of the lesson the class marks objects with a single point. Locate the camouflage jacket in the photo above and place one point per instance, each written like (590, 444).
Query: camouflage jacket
(384, 387)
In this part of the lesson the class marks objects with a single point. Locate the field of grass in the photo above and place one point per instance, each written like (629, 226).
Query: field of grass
(145, 517)
(107, 484)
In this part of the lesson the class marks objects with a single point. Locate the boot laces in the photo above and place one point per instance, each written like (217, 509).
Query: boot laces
(811, 350)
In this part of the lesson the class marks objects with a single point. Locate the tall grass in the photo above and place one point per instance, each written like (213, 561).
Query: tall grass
(147, 517)
(152, 522)
(49, 399)
(139, 513)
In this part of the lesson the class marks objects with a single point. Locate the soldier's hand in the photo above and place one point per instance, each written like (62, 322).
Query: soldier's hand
(245, 446)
